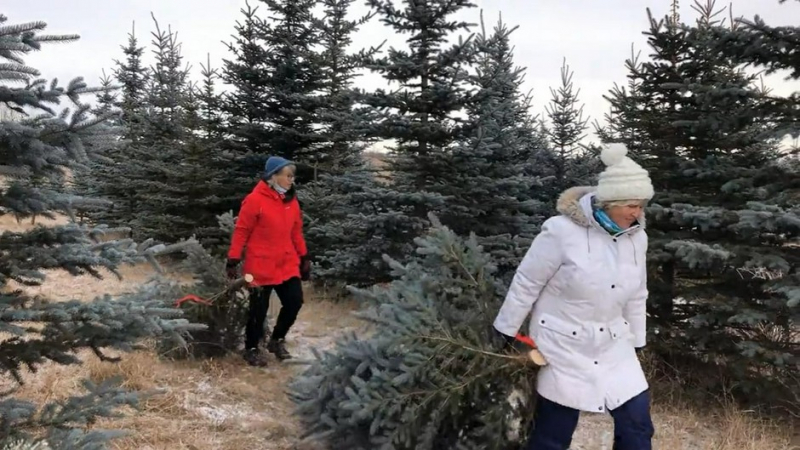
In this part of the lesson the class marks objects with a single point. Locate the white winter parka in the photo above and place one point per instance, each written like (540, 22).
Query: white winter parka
(585, 291)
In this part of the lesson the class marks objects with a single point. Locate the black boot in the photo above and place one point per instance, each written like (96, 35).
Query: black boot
(278, 348)
(254, 357)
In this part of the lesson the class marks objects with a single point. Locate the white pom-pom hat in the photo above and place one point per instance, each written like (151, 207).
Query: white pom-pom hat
(623, 179)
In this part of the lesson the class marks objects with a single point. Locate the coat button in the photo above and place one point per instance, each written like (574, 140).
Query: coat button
(602, 329)
(615, 239)
(542, 320)
(595, 362)
(600, 408)
(613, 286)
(574, 333)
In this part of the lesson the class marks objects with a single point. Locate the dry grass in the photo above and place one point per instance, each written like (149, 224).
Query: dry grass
(9, 223)
(59, 285)
(223, 404)
(683, 427)
(214, 404)
(220, 404)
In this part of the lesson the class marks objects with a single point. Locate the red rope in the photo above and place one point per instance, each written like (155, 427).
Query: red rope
(525, 339)
(191, 298)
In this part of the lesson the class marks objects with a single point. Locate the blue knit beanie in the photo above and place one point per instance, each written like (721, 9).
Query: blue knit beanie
(274, 165)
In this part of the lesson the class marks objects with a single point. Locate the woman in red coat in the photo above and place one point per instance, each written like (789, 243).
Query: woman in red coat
(269, 233)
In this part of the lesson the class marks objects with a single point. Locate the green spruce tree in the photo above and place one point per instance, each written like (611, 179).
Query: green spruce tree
(110, 178)
(335, 198)
(427, 87)
(245, 105)
(82, 182)
(567, 162)
(276, 81)
(754, 42)
(178, 173)
(431, 86)
(293, 78)
(132, 77)
(213, 120)
(339, 119)
(37, 149)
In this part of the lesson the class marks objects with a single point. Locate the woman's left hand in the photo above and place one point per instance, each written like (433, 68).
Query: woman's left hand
(502, 341)
(305, 268)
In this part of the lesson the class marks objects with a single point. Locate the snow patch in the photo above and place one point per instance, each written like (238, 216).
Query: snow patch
(516, 400)
(304, 340)
(206, 401)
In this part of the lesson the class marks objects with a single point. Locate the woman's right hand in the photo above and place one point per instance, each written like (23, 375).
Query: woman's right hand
(232, 269)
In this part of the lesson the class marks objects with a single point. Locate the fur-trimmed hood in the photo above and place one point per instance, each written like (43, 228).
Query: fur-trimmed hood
(576, 204)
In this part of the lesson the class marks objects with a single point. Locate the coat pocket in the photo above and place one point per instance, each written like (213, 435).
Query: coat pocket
(560, 341)
(560, 326)
(620, 328)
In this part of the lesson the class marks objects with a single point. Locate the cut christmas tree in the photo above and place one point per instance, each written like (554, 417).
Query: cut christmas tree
(429, 375)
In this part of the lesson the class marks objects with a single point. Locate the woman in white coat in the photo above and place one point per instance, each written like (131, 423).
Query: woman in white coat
(583, 284)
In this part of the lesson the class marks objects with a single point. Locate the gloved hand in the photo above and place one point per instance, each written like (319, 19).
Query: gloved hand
(232, 269)
(305, 268)
(504, 341)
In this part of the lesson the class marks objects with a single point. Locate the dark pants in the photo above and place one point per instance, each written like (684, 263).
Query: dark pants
(290, 294)
(554, 425)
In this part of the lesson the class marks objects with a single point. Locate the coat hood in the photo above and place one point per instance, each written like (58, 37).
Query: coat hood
(576, 204)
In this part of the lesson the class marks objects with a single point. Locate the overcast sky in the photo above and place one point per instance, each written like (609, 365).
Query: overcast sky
(595, 36)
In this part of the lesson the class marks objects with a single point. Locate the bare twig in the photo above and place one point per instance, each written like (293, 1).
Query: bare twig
(453, 342)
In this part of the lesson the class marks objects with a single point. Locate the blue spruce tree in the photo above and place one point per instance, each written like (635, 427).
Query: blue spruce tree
(35, 151)
(723, 276)
(488, 180)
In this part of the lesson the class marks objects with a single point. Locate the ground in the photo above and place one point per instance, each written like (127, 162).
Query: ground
(225, 405)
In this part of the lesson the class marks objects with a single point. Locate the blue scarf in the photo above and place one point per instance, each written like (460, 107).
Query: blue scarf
(609, 225)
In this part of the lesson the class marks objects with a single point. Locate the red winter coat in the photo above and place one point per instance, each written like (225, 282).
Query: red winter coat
(270, 231)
